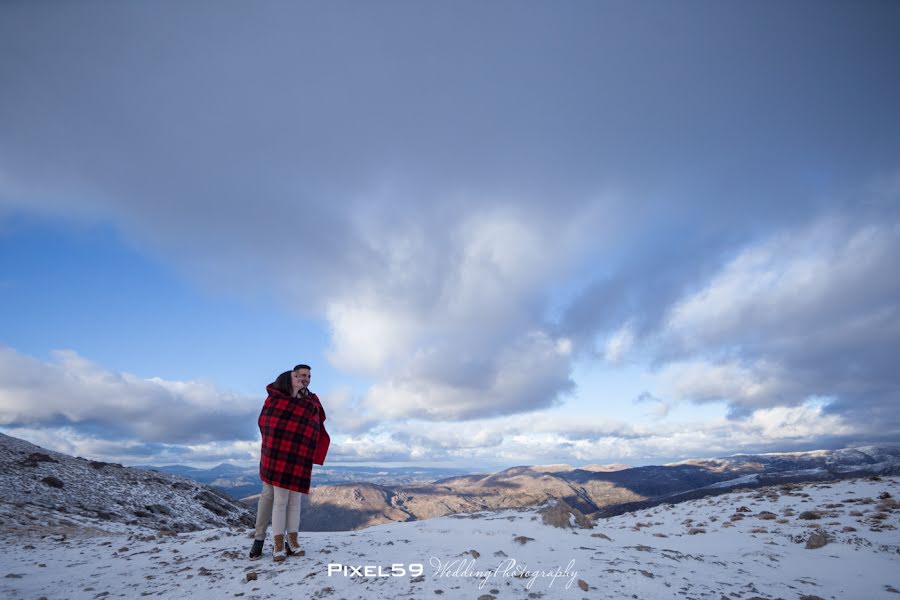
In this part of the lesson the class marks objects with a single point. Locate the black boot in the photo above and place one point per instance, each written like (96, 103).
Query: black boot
(256, 550)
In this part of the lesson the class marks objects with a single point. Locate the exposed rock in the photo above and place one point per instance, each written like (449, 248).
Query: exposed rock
(522, 540)
(561, 514)
(817, 539)
(35, 458)
(53, 481)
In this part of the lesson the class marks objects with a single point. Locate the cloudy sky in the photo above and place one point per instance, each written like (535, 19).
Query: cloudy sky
(502, 233)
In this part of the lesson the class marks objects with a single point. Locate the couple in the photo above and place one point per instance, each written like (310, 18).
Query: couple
(293, 438)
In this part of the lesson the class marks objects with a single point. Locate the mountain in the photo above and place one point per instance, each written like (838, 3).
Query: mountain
(792, 541)
(167, 501)
(243, 482)
(69, 492)
(590, 493)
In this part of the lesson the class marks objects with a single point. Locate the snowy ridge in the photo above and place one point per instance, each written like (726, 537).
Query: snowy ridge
(820, 540)
(61, 492)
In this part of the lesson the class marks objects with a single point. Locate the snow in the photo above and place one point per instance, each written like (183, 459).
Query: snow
(736, 482)
(698, 549)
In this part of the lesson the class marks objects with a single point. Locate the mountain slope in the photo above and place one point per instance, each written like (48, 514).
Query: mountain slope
(69, 491)
(590, 492)
(822, 540)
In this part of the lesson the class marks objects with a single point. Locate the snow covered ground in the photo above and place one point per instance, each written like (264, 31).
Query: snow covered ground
(745, 544)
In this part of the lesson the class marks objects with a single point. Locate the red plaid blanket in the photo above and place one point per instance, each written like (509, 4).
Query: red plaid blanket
(293, 438)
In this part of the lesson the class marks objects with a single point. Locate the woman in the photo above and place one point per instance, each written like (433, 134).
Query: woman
(293, 438)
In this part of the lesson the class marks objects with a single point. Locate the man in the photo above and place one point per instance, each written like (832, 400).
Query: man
(300, 378)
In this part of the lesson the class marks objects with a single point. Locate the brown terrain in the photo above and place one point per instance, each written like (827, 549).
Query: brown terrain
(587, 492)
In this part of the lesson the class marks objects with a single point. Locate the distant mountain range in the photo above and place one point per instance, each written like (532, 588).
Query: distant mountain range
(587, 493)
(243, 482)
(165, 498)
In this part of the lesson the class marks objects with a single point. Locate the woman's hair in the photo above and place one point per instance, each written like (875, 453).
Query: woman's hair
(283, 384)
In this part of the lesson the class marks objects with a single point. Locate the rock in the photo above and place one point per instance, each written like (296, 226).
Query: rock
(767, 516)
(816, 540)
(602, 536)
(522, 540)
(561, 514)
(809, 515)
(583, 585)
(53, 481)
(36, 458)
(159, 509)
(486, 597)
(743, 509)
(250, 575)
(696, 530)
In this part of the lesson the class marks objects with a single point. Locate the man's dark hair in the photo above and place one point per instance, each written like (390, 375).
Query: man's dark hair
(301, 366)
(283, 384)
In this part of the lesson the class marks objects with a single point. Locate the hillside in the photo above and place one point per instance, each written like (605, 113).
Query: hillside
(595, 492)
(815, 541)
(69, 492)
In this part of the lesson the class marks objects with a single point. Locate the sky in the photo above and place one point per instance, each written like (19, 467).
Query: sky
(501, 233)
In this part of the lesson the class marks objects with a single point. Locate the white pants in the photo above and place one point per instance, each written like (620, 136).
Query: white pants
(285, 511)
(264, 511)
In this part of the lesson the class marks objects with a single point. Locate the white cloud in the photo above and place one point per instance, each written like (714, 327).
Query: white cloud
(703, 381)
(805, 422)
(805, 313)
(366, 337)
(546, 437)
(346, 413)
(448, 322)
(529, 374)
(77, 393)
(619, 344)
(826, 275)
(71, 441)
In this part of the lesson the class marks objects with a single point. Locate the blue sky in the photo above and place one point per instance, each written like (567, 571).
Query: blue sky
(504, 233)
